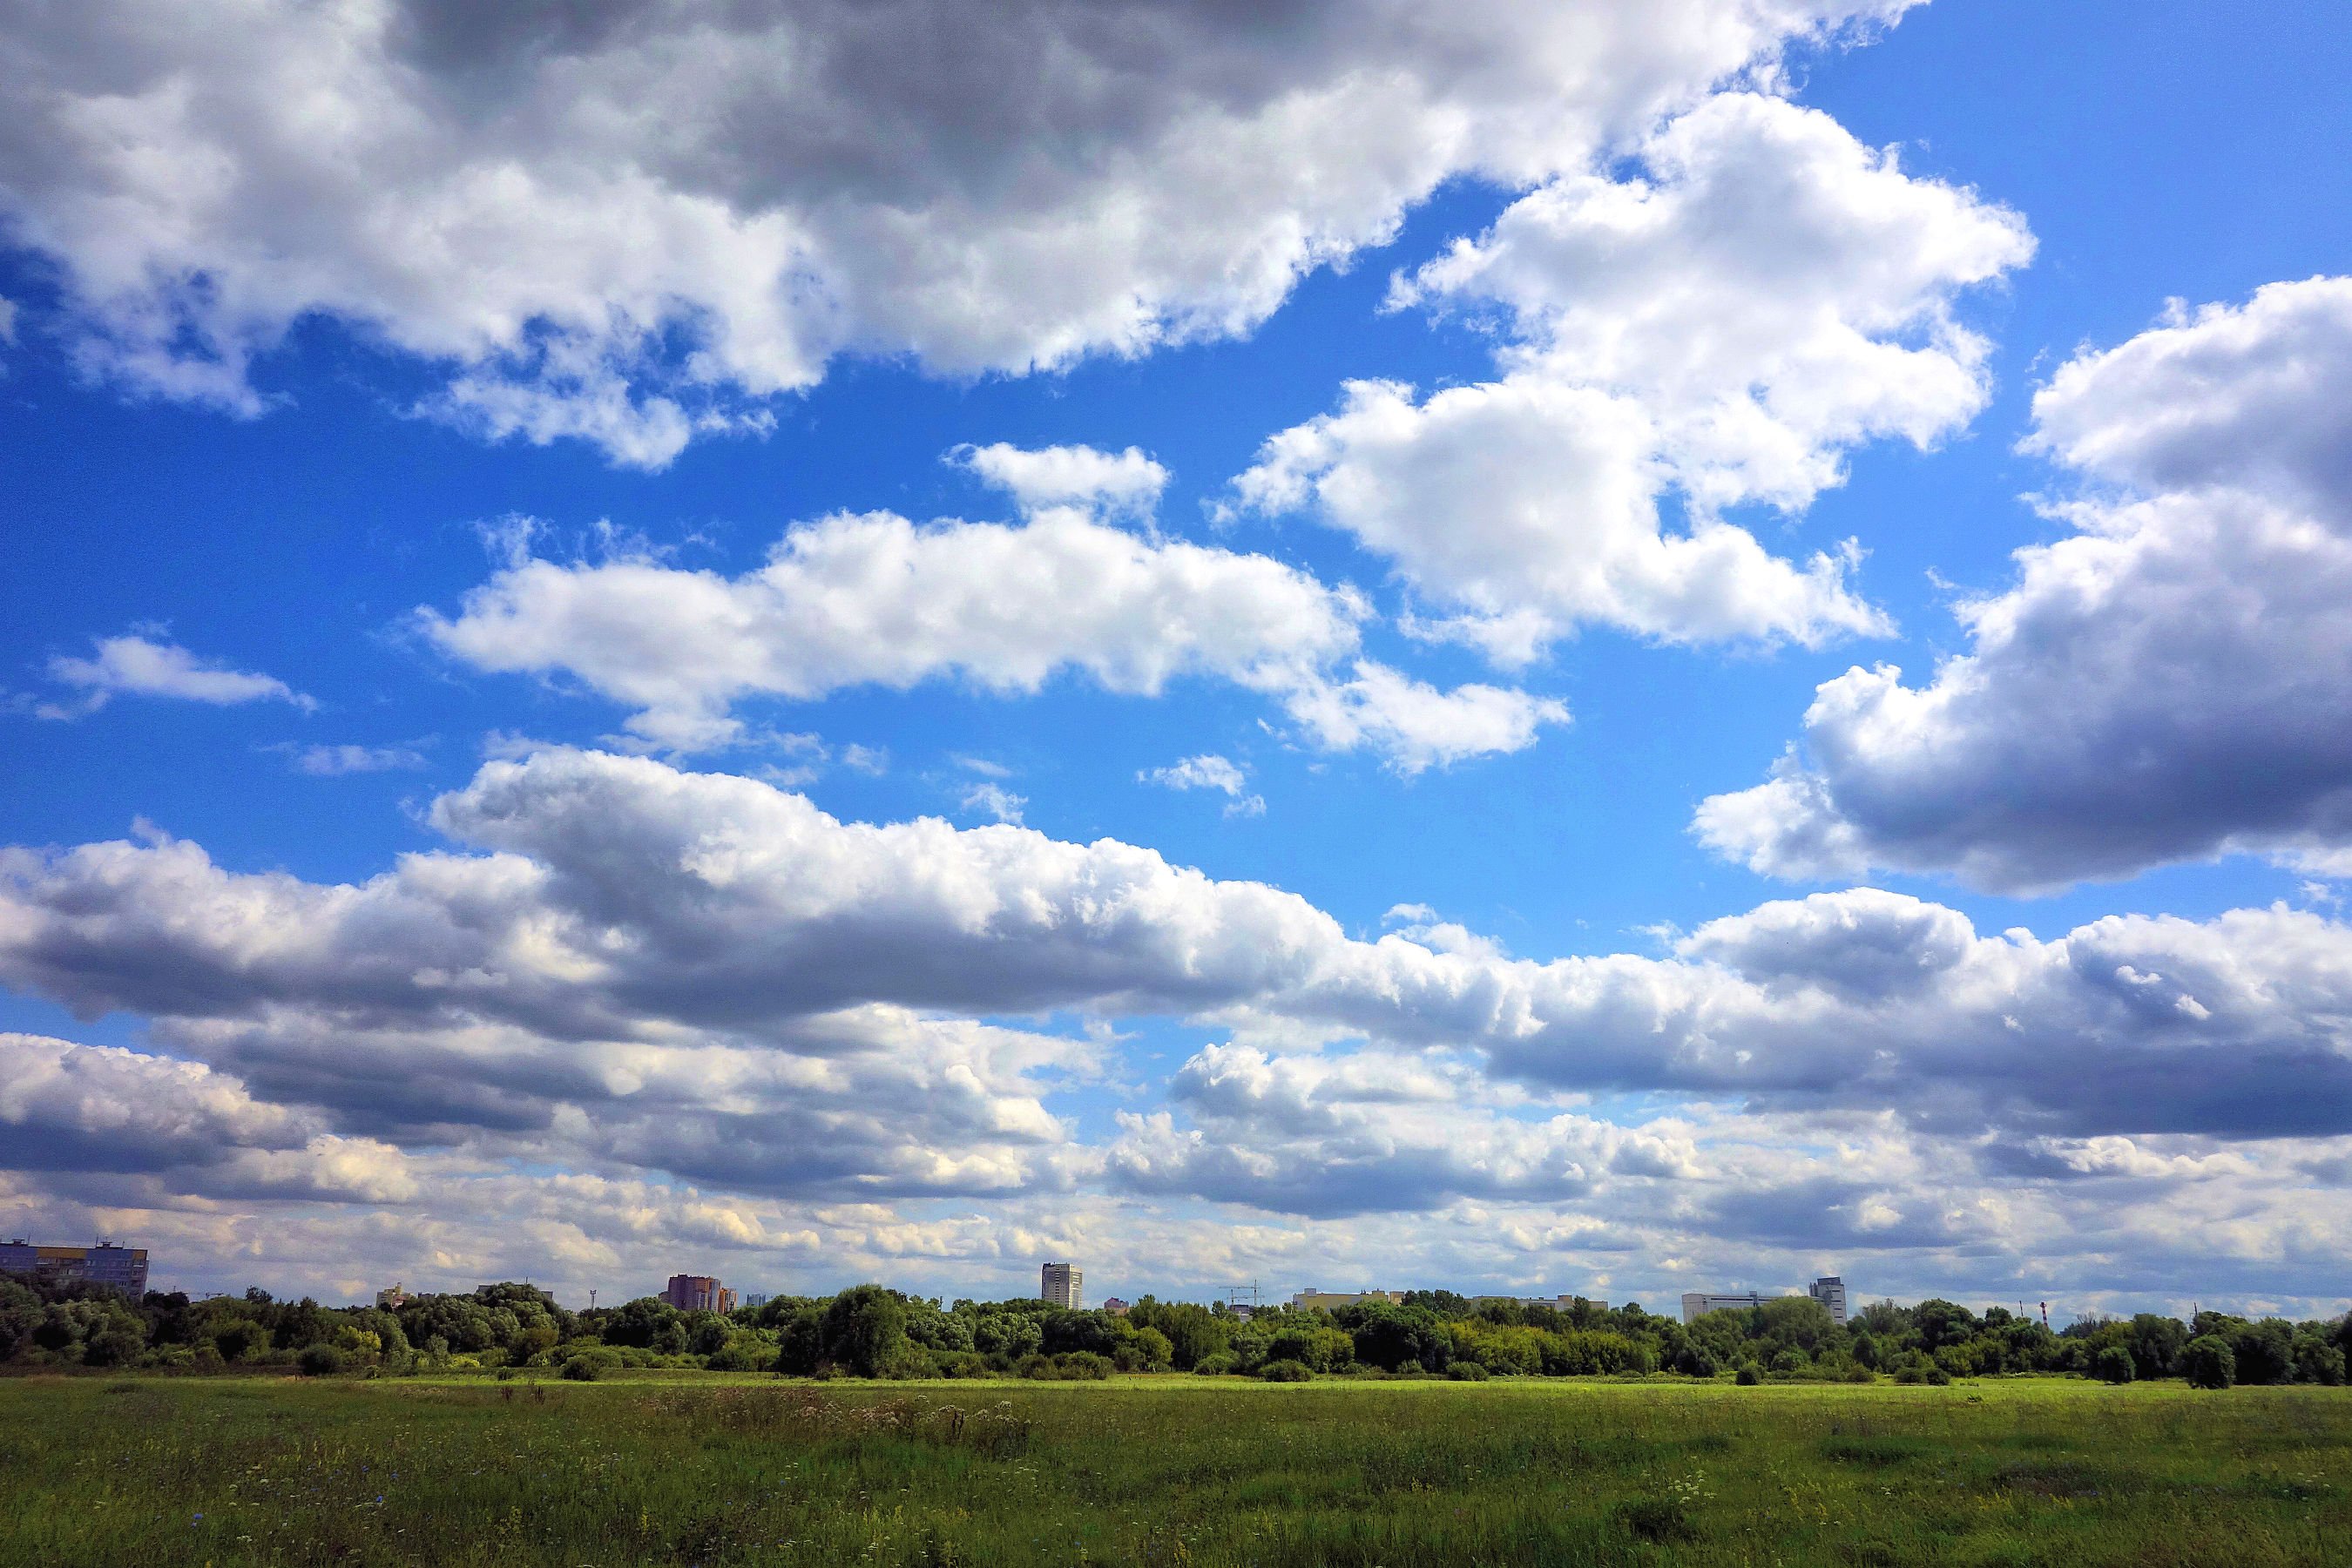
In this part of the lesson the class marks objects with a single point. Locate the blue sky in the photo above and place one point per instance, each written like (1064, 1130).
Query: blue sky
(272, 428)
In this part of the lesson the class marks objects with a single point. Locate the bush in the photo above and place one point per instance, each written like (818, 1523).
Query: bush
(321, 1361)
(964, 1364)
(1039, 1366)
(1284, 1370)
(587, 1366)
(1225, 1364)
(1748, 1376)
(1085, 1366)
(2207, 1362)
(1467, 1372)
(1936, 1376)
(2113, 1365)
(742, 1355)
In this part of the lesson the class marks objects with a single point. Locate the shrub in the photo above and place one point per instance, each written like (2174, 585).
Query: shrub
(1657, 1519)
(740, 1354)
(1747, 1376)
(1696, 1362)
(1038, 1366)
(321, 1361)
(1467, 1372)
(964, 1364)
(1284, 1370)
(1936, 1376)
(1085, 1366)
(2207, 1362)
(1221, 1365)
(587, 1366)
(2113, 1365)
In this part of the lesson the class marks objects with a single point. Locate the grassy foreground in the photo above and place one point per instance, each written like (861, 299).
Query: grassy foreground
(1175, 1470)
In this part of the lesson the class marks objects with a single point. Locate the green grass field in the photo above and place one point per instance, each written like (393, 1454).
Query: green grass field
(715, 1471)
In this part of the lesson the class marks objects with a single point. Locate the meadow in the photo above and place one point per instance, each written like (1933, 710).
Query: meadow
(713, 1471)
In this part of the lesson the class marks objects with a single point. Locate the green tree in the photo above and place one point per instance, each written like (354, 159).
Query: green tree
(865, 1332)
(2155, 1343)
(2113, 1365)
(2207, 1362)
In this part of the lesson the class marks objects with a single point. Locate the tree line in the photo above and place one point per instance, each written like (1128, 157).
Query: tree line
(871, 1331)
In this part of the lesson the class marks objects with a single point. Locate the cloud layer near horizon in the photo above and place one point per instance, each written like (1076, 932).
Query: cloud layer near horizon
(654, 975)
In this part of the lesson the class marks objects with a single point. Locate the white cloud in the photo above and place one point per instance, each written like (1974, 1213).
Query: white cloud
(100, 1109)
(875, 599)
(1769, 295)
(2194, 634)
(1114, 483)
(137, 666)
(1413, 723)
(996, 801)
(331, 762)
(1207, 771)
(634, 969)
(625, 222)
(619, 900)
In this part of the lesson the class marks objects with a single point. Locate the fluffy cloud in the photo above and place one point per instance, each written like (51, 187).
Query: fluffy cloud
(626, 222)
(631, 970)
(1112, 483)
(1771, 294)
(2191, 638)
(619, 906)
(875, 599)
(1369, 1132)
(635, 970)
(137, 666)
(1205, 771)
(180, 1126)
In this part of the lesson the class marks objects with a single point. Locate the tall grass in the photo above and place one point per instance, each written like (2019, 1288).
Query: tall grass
(1167, 1471)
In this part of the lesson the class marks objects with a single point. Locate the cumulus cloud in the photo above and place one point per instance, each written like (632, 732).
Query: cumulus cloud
(137, 666)
(875, 599)
(1114, 483)
(614, 900)
(1768, 295)
(625, 969)
(100, 1109)
(2172, 681)
(626, 222)
(1333, 1136)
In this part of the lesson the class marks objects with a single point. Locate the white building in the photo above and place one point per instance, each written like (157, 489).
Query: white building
(1698, 1304)
(1332, 1301)
(1829, 1290)
(1059, 1282)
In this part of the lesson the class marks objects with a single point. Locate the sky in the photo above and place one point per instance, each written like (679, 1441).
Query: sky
(1587, 647)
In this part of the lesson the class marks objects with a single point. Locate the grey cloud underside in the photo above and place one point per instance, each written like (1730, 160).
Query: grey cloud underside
(630, 224)
(2171, 682)
(628, 935)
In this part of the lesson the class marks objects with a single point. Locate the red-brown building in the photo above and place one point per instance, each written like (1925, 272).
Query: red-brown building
(698, 1293)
